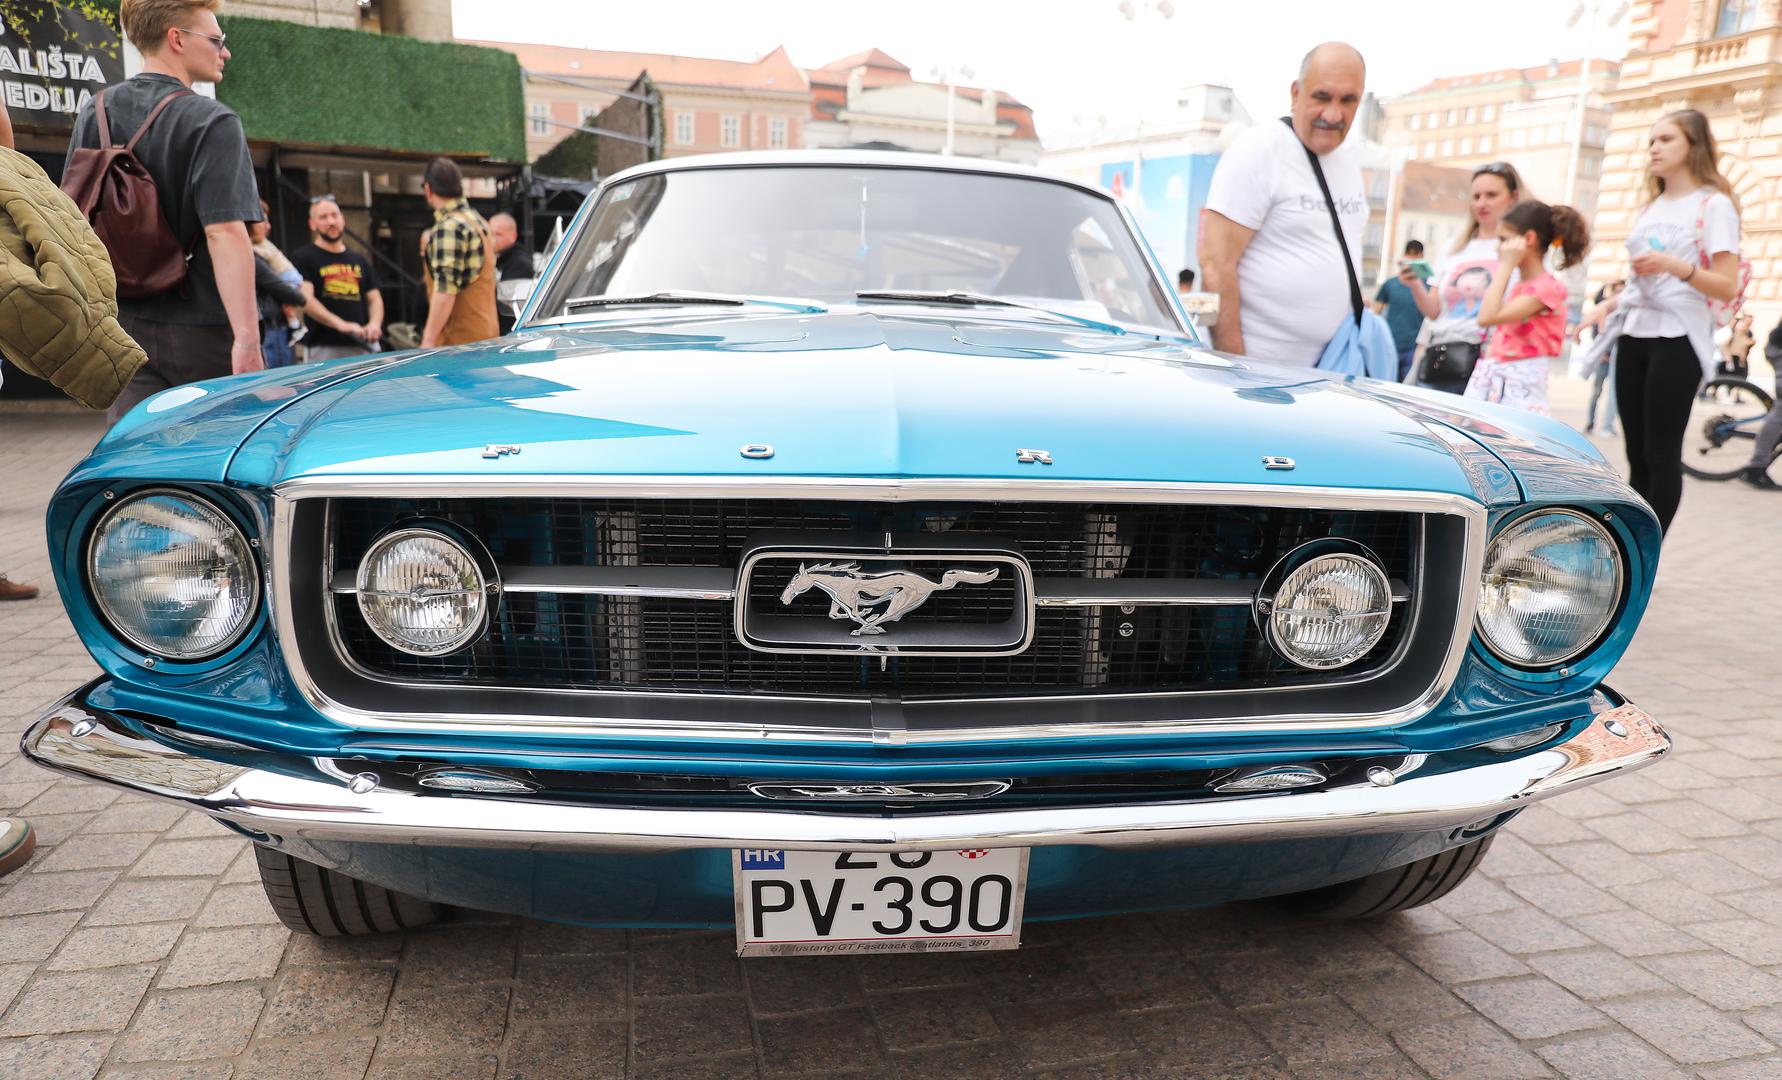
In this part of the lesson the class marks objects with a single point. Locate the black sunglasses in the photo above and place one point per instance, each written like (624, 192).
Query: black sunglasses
(1500, 169)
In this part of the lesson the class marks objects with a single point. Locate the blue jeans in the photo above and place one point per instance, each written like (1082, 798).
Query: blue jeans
(275, 345)
(1602, 386)
(1404, 360)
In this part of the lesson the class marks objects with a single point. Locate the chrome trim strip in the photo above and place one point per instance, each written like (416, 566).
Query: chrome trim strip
(1158, 592)
(267, 802)
(871, 489)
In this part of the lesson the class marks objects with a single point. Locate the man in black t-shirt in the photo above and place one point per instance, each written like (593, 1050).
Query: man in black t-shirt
(512, 262)
(209, 325)
(343, 307)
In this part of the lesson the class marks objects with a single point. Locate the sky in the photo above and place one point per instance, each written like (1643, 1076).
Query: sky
(1075, 61)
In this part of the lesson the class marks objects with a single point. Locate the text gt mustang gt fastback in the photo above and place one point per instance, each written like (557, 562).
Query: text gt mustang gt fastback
(860, 550)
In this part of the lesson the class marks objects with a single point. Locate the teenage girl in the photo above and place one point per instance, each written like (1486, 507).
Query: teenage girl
(1530, 320)
(1450, 301)
(1685, 248)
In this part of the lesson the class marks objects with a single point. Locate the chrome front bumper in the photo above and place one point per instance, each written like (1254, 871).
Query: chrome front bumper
(77, 738)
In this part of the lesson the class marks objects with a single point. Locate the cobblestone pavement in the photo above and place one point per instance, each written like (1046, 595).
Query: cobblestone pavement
(1633, 930)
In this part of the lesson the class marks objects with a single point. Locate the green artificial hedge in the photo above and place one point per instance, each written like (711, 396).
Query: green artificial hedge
(318, 86)
(577, 156)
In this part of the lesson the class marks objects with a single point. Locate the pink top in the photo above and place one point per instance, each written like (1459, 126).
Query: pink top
(1538, 335)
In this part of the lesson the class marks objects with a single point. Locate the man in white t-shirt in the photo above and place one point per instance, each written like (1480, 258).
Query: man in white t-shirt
(1268, 246)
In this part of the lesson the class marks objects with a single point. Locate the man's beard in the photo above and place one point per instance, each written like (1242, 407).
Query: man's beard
(331, 235)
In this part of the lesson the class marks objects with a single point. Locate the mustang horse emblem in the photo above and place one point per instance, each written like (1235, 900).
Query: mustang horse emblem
(854, 594)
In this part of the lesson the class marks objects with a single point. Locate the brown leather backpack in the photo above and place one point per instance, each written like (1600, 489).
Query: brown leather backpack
(116, 193)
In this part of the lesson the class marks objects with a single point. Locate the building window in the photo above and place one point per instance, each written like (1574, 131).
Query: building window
(1416, 121)
(1447, 147)
(541, 118)
(1489, 112)
(683, 129)
(1435, 120)
(730, 131)
(1736, 17)
(776, 133)
(1484, 144)
(1453, 117)
(1471, 114)
(1466, 147)
(1429, 149)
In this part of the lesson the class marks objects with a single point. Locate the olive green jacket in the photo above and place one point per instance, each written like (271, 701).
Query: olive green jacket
(58, 295)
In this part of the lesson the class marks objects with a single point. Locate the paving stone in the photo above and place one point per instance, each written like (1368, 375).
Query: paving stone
(562, 939)
(1603, 864)
(1617, 1056)
(208, 957)
(1636, 934)
(590, 1051)
(823, 1043)
(78, 1001)
(1393, 1000)
(130, 902)
(574, 988)
(1531, 1008)
(793, 984)
(93, 852)
(1673, 902)
(318, 1001)
(34, 937)
(1595, 974)
(914, 1019)
(1750, 940)
(1462, 956)
(1718, 979)
(1564, 896)
(34, 893)
(1526, 929)
(75, 1057)
(456, 955)
(1153, 981)
(112, 946)
(974, 1061)
(70, 796)
(1209, 1035)
(670, 1027)
(689, 964)
(458, 1022)
(1468, 1048)
(188, 858)
(195, 1070)
(1706, 871)
(236, 905)
(1686, 1029)
(452, 1068)
(1320, 1031)
(1766, 1069)
(134, 815)
(186, 1025)
(311, 1059)
(1043, 974)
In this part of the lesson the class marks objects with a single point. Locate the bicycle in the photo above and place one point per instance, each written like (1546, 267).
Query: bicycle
(1723, 425)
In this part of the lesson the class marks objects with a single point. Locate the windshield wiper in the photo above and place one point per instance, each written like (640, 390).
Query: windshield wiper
(970, 299)
(809, 307)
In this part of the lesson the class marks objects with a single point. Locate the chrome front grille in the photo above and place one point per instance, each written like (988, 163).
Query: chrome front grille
(1135, 598)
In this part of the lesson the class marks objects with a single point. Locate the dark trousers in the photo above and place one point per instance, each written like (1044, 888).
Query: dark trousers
(177, 355)
(1655, 384)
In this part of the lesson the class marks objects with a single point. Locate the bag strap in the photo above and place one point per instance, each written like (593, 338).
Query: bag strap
(1355, 302)
(130, 147)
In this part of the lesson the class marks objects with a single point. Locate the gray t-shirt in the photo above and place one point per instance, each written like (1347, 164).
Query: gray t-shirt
(199, 158)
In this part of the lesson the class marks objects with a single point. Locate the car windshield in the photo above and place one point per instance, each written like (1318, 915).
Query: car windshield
(825, 233)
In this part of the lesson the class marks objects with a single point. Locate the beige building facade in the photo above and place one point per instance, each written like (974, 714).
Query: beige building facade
(1723, 57)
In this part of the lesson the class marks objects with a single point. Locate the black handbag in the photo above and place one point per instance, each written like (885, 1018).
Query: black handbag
(1449, 362)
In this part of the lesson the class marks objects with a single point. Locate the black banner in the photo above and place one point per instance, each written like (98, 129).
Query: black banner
(54, 56)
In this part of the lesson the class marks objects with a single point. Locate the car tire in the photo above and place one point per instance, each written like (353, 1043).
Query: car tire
(1397, 889)
(313, 899)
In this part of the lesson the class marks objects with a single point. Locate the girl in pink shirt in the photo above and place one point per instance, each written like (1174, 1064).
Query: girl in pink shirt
(1530, 321)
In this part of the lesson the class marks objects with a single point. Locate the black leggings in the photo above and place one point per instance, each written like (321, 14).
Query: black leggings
(1655, 384)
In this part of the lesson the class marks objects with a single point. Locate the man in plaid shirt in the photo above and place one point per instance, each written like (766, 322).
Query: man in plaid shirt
(458, 262)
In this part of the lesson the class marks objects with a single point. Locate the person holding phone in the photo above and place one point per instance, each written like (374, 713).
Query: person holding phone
(1451, 298)
(1393, 301)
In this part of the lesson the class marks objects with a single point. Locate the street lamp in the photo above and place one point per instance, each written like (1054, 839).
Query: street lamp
(950, 74)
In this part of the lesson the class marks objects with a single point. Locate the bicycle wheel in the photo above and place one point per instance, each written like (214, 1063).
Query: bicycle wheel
(1723, 428)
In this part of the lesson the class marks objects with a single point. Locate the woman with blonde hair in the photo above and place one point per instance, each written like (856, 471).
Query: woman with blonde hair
(1461, 279)
(1685, 250)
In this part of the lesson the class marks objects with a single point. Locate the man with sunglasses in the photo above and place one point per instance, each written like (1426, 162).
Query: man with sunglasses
(209, 324)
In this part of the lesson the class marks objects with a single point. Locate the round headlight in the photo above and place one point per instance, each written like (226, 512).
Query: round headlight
(1330, 611)
(1552, 582)
(422, 592)
(173, 575)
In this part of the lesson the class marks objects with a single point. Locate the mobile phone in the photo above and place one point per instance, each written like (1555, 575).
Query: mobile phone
(1420, 268)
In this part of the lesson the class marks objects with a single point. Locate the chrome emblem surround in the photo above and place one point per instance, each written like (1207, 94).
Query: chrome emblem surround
(918, 792)
(1273, 461)
(872, 593)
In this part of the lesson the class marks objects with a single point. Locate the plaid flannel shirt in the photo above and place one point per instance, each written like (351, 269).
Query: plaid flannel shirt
(455, 247)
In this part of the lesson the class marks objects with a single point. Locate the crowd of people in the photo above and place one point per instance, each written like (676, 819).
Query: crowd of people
(1488, 319)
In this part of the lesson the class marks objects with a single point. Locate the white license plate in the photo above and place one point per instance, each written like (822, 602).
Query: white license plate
(841, 902)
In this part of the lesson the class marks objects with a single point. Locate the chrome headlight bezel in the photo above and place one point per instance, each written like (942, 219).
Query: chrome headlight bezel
(1599, 631)
(233, 533)
(1299, 562)
(486, 587)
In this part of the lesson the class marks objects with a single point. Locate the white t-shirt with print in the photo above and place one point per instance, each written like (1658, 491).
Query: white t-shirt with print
(1292, 287)
(1460, 281)
(1664, 305)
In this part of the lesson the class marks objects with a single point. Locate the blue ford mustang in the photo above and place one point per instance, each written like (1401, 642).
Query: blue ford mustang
(860, 550)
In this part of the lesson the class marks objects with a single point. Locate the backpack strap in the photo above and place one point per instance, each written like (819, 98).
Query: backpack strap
(1355, 302)
(130, 147)
(104, 124)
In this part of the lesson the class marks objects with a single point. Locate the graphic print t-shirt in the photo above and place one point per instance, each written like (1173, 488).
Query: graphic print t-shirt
(1292, 286)
(1541, 333)
(1461, 281)
(1664, 305)
(341, 280)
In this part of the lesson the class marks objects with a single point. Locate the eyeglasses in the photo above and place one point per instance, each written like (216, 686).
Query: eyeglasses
(1499, 169)
(216, 39)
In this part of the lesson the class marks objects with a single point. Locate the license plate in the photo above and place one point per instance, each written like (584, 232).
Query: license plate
(841, 902)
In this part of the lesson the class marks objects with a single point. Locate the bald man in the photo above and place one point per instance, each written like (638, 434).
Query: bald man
(1268, 246)
(511, 262)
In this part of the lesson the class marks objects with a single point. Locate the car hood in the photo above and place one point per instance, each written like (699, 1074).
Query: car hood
(848, 395)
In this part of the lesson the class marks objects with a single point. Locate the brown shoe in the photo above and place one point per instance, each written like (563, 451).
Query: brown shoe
(17, 841)
(13, 590)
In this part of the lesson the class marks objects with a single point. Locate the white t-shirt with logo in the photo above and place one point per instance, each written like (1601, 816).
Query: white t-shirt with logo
(1292, 287)
(1664, 305)
(1460, 282)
